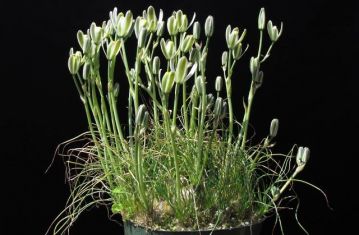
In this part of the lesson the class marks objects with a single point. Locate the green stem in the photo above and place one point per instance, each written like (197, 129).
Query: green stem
(175, 105)
(184, 106)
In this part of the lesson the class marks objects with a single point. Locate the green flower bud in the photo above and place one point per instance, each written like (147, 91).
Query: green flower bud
(237, 51)
(196, 30)
(232, 37)
(210, 101)
(258, 79)
(167, 82)
(151, 19)
(182, 23)
(80, 38)
(140, 114)
(261, 19)
(274, 128)
(96, 33)
(87, 47)
(254, 65)
(86, 71)
(224, 110)
(273, 32)
(303, 155)
(113, 49)
(219, 83)
(124, 24)
(181, 70)
(224, 59)
(160, 28)
(200, 86)
(187, 43)
(142, 38)
(209, 26)
(172, 26)
(139, 24)
(218, 107)
(74, 62)
(156, 65)
(168, 49)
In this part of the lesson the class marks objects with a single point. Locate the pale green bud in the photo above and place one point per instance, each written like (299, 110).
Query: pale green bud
(219, 83)
(113, 49)
(74, 62)
(181, 70)
(156, 65)
(209, 26)
(274, 128)
(139, 24)
(142, 38)
(273, 32)
(200, 86)
(140, 114)
(80, 38)
(160, 28)
(224, 110)
(152, 19)
(261, 19)
(258, 79)
(196, 30)
(87, 47)
(182, 23)
(210, 101)
(237, 51)
(218, 107)
(172, 26)
(86, 71)
(187, 43)
(224, 59)
(168, 80)
(232, 37)
(303, 155)
(254, 65)
(124, 24)
(168, 49)
(96, 33)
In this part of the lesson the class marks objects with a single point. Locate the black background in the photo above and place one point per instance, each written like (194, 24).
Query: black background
(310, 85)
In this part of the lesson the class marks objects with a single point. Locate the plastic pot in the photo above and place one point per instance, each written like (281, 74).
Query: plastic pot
(253, 229)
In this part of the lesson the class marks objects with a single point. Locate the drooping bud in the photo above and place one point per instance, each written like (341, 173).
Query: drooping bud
(209, 26)
(187, 43)
(274, 128)
(156, 64)
(200, 86)
(74, 62)
(196, 30)
(172, 26)
(167, 82)
(113, 49)
(142, 38)
(261, 19)
(273, 32)
(86, 71)
(96, 33)
(219, 83)
(168, 49)
(181, 70)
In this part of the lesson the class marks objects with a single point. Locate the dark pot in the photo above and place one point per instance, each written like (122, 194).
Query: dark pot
(254, 229)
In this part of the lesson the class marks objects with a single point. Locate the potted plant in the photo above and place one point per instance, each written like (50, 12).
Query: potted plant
(179, 161)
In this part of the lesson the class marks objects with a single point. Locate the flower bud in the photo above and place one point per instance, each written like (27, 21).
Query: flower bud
(80, 38)
(187, 43)
(142, 38)
(219, 83)
(232, 37)
(96, 33)
(168, 49)
(87, 47)
(254, 65)
(74, 63)
(140, 114)
(273, 32)
(86, 71)
(139, 24)
(156, 65)
(172, 26)
(258, 79)
(218, 107)
(209, 26)
(167, 82)
(200, 86)
(224, 110)
(160, 28)
(196, 30)
(181, 70)
(261, 19)
(124, 24)
(183, 24)
(151, 19)
(224, 59)
(237, 51)
(302, 156)
(210, 101)
(113, 49)
(274, 128)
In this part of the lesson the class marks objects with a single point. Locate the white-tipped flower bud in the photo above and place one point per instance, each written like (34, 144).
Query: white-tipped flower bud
(224, 59)
(168, 80)
(302, 156)
(139, 24)
(96, 33)
(209, 26)
(196, 30)
(232, 37)
(187, 43)
(80, 38)
(200, 86)
(219, 83)
(218, 107)
(261, 19)
(254, 65)
(151, 19)
(273, 32)
(74, 62)
(182, 22)
(113, 49)
(156, 65)
(168, 49)
(86, 71)
(124, 24)
(274, 128)
(181, 70)
(172, 26)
